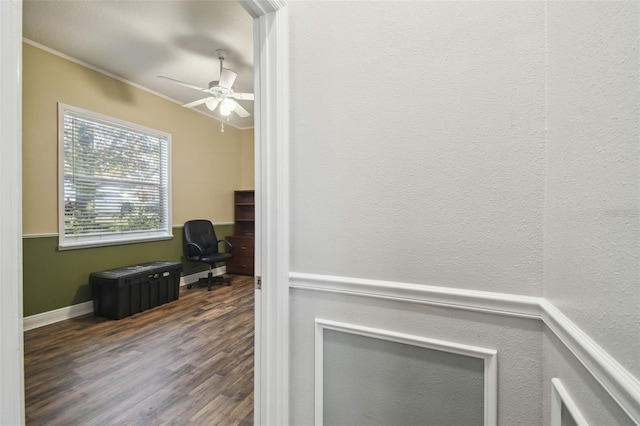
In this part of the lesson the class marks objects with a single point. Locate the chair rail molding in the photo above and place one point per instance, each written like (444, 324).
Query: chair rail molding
(623, 387)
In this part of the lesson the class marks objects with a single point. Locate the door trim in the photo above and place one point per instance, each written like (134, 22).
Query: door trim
(271, 77)
(12, 354)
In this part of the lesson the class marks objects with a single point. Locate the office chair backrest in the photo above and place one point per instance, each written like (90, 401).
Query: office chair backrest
(200, 232)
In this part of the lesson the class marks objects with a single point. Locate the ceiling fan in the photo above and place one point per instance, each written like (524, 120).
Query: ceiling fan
(220, 92)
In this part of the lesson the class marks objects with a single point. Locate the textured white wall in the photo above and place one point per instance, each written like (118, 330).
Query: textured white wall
(418, 142)
(478, 145)
(417, 155)
(592, 214)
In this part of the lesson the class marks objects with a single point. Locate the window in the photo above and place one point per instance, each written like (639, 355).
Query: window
(113, 181)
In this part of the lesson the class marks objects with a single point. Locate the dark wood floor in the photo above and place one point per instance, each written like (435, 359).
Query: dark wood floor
(189, 361)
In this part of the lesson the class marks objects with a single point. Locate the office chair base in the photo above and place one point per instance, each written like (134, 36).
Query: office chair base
(210, 280)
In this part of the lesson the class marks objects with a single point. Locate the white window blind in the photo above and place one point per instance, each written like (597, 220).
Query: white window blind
(113, 181)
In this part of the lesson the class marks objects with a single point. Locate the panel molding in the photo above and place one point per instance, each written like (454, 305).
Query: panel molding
(67, 312)
(560, 396)
(490, 357)
(621, 385)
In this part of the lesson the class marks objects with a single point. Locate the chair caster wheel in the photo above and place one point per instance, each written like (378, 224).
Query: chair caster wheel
(189, 286)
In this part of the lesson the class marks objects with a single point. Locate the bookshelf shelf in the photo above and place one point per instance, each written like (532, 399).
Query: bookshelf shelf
(243, 238)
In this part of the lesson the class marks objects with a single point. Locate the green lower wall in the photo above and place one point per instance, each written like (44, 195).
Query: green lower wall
(55, 279)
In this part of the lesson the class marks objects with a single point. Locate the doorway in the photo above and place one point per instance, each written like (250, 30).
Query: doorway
(270, 32)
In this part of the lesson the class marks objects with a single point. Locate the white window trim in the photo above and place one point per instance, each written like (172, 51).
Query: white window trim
(70, 243)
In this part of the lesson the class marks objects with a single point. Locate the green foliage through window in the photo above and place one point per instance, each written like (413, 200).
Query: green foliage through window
(115, 182)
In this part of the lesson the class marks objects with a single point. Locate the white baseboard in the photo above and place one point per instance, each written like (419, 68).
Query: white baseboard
(623, 387)
(49, 317)
(190, 279)
(68, 312)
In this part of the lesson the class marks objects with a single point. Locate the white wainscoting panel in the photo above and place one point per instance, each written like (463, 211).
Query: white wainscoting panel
(623, 387)
(488, 355)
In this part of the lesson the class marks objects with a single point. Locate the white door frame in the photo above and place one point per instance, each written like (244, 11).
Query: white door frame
(271, 68)
(12, 352)
(272, 197)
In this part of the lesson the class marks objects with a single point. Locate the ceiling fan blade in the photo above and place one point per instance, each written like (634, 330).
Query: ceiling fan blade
(227, 78)
(243, 96)
(212, 103)
(241, 111)
(196, 103)
(182, 83)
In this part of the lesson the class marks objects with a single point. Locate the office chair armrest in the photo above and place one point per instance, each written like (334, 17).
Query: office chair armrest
(228, 244)
(200, 250)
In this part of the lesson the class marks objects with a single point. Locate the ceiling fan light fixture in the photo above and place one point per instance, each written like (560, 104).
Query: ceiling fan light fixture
(211, 104)
(220, 92)
(227, 106)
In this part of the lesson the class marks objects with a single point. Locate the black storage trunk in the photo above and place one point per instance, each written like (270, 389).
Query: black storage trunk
(125, 291)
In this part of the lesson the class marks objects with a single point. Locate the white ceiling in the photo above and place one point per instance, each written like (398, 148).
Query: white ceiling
(140, 40)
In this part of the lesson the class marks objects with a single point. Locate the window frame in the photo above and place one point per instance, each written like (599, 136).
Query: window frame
(69, 242)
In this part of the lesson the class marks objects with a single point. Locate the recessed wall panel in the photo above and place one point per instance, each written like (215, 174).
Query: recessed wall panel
(371, 381)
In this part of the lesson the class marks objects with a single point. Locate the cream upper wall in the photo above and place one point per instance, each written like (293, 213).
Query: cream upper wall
(248, 169)
(207, 165)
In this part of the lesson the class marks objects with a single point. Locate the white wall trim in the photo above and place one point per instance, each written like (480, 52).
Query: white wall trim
(490, 357)
(559, 396)
(45, 318)
(181, 225)
(43, 235)
(11, 333)
(192, 278)
(50, 317)
(271, 75)
(55, 234)
(497, 303)
(623, 387)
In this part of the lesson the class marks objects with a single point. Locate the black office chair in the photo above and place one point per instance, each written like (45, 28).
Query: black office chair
(201, 245)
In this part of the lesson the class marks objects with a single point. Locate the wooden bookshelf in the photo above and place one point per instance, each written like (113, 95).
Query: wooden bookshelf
(243, 238)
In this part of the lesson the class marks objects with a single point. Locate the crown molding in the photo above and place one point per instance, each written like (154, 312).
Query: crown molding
(122, 80)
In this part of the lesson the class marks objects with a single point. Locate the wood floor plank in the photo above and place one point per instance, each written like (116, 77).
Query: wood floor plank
(189, 361)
